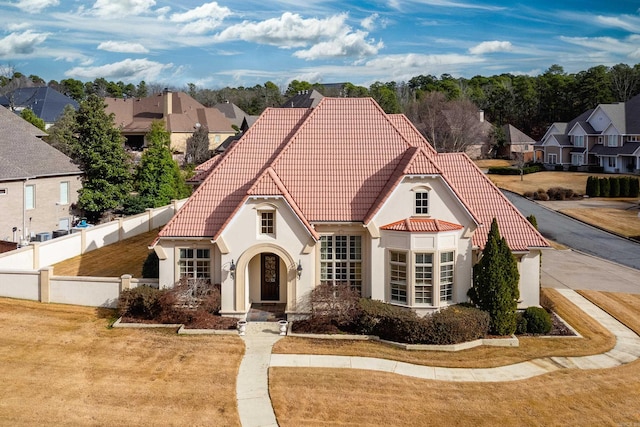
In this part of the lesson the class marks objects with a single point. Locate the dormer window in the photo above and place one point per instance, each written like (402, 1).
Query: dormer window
(421, 201)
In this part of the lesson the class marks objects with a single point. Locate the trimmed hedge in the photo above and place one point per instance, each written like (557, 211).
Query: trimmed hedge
(457, 323)
(614, 186)
(515, 171)
(538, 321)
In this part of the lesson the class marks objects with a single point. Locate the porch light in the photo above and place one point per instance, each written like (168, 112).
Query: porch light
(232, 269)
(299, 269)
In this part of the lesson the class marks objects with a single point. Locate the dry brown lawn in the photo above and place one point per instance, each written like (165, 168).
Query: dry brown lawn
(577, 181)
(319, 397)
(620, 221)
(595, 340)
(61, 365)
(125, 257)
(493, 163)
(624, 307)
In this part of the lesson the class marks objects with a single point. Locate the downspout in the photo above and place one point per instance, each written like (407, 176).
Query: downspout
(24, 209)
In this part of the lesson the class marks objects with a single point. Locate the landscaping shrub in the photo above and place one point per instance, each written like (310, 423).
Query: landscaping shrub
(541, 195)
(624, 186)
(404, 329)
(604, 187)
(573, 168)
(456, 324)
(532, 219)
(614, 186)
(593, 187)
(142, 302)
(338, 303)
(515, 171)
(596, 169)
(529, 194)
(151, 266)
(538, 320)
(560, 193)
(372, 313)
(558, 168)
(521, 323)
(634, 187)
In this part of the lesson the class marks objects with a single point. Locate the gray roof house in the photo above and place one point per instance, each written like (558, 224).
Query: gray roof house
(45, 102)
(607, 137)
(38, 184)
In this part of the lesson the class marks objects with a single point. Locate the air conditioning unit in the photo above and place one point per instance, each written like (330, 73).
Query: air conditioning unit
(42, 237)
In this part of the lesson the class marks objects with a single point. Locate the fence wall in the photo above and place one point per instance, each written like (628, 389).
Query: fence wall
(26, 273)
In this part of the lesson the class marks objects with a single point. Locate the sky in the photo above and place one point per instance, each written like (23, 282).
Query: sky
(248, 42)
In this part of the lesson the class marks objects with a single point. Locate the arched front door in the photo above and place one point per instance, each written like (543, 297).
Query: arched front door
(269, 277)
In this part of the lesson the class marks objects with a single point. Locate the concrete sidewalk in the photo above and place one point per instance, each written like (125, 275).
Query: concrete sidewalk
(254, 404)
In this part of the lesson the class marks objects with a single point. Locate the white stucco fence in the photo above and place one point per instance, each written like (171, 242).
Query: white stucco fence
(26, 273)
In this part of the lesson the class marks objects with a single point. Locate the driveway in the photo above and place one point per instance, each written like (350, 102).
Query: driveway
(578, 235)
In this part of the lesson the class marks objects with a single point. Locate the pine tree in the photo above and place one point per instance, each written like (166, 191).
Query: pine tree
(31, 117)
(99, 151)
(158, 177)
(62, 133)
(495, 283)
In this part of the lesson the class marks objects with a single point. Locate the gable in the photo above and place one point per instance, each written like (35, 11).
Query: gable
(599, 119)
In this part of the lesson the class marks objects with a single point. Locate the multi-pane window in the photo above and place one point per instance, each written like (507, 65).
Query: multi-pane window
(422, 202)
(195, 263)
(64, 193)
(267, 223)
(612, 140)
(552, 159)
(398, 276)
(30, 197)
(577, 159)
(578, 141)
(423, 279)
(612, 162)
(446, 276)
(341, 260)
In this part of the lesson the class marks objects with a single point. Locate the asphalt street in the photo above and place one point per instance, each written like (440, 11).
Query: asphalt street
(580, 236)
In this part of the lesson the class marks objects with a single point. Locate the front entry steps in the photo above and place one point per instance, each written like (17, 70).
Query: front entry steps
(266, 312)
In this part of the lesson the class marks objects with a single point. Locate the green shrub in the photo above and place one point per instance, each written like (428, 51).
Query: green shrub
(538, 320)
(558, 168)
(614, 186)
(521, 325)
(634, 187)
(573, 168)
(456, 324)
(142, 302)
(596, 169)
(532, 219)
(624, 186)
(374, 317)
(529, 194)
(593, 187)
(151, 266)
(604, 187)
(515, 171)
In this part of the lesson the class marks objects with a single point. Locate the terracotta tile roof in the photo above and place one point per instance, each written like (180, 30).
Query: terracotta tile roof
(337, 162)
(422, 225)
(486, 201)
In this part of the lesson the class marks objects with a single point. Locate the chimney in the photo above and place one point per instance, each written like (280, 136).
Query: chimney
(481, 115)
(168, 102)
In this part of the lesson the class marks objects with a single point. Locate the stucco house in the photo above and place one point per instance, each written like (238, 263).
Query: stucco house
(181, 113)
(341, 192)
(38, 184)
(607, 136)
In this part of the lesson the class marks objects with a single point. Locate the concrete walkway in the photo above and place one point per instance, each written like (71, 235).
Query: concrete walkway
(255, 406)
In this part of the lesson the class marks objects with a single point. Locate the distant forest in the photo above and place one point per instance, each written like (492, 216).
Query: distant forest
(531, 103)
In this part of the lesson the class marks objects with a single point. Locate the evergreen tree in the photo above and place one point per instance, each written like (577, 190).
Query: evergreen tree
(98, 149)
(634, 187)
(158, 176)
(614, 186)
(31, 117)
(61, 134)
(495, 283)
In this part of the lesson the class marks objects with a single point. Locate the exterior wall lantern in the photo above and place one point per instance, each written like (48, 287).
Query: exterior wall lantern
(232, 270)
(299, 269)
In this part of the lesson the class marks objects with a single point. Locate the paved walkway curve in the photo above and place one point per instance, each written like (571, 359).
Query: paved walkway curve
(252, 408)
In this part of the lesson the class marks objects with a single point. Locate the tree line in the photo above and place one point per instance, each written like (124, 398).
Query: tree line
(530, 103)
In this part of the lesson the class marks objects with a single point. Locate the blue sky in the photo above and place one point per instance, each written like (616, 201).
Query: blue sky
(248, 42)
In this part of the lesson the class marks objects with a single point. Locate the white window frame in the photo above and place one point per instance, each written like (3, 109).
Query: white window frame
(64, 192)
(612, 140)
(578, 141)
(267, 225)
(29, 197)
(4, 191)
(577, 159)
(398, 283)
(421, 200)
(447, 271)
(341, 260)
(194, 263)
(423, 272)
(552, 159)
(612, 162)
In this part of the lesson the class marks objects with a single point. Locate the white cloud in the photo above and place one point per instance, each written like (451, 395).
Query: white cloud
(287, 31)
(35, 6)
(626, 22)
(127, 70)
(201, 19)
(18, 26)
(447, 3)
(627, 46)
(116, 9)
(23, 43)
(369, 22)
(349, 45)
(490, 47)
(122, 47)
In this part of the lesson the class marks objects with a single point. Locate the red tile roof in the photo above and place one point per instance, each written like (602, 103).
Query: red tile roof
(338, 162)
(422, 225)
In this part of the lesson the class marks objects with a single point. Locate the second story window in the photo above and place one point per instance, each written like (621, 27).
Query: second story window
(421, 202)
(578, 141)
(267, 223)
(30, 197)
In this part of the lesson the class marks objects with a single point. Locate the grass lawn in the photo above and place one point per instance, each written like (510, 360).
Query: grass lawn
(493, 163)
(315, 397)
(61, 365)
(595, 340)
(577, 181)
(620, 221)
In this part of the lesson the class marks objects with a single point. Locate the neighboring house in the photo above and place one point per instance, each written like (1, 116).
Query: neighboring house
(182, 115)
(46, 103)
(607, 136)
(480, 148)
(518, 145)
(304, 99)
(38, 184)
(240, 120)
(341, 193)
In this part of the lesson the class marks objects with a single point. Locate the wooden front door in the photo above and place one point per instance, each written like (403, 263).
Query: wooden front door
(270, 277)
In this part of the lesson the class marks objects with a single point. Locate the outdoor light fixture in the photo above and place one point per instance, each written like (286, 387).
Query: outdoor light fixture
(232, 269)
(299, 269)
